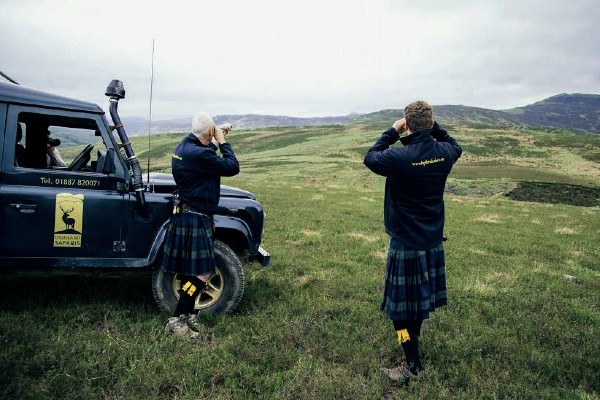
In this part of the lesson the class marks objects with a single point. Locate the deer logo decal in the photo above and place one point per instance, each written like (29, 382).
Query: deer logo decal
(68, 220)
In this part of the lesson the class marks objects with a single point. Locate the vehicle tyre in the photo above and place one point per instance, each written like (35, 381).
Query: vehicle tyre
(224, 290)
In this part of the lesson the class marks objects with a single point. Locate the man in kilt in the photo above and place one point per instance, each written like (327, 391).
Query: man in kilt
(415, 280)
(189, 240)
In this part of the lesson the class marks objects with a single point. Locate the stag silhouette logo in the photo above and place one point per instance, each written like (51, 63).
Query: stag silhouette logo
(68, 220)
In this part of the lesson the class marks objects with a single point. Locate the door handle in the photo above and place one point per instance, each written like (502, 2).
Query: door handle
(24, 208)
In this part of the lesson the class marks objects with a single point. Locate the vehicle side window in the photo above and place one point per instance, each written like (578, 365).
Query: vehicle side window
(59, 142)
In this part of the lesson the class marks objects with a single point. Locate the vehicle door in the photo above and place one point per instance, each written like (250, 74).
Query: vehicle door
(62, 189)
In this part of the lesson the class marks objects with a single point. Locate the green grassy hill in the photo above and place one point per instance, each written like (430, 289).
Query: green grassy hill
(496, 161)
(568, 111)
(523, 282)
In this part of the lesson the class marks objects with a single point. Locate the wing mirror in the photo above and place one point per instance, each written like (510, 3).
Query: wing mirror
(106, 162)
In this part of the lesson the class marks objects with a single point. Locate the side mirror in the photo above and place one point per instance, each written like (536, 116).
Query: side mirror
(106, 162)
(109, 164)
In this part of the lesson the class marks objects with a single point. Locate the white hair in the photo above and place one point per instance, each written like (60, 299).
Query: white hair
(201, 123)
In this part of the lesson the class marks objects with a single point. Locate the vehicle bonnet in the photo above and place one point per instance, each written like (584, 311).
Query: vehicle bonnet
(165, 183)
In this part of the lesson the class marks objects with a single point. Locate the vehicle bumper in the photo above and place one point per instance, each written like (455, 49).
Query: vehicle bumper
(263, 257)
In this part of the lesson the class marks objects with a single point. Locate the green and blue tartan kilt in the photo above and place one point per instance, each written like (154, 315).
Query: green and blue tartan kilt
(415, 282)
(189, 244)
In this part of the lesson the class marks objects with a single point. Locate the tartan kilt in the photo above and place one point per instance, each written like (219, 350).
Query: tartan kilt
(415, 282)
(189, 247)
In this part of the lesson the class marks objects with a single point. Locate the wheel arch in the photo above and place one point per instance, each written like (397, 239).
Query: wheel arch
(157, 244)
(235, 233)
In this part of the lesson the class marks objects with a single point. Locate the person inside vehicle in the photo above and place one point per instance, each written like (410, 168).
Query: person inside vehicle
(53, 158)
(20, 151)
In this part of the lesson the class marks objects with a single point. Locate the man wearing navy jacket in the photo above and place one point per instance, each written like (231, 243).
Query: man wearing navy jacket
(416, 173)
(189, 240)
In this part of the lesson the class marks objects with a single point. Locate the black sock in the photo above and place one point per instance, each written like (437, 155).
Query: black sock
(408, 337)
(417, 365)
(405, 340)
(408, 352)
(191, 286)
(414, 330)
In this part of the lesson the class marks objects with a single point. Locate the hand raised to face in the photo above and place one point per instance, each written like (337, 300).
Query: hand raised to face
(400, 125)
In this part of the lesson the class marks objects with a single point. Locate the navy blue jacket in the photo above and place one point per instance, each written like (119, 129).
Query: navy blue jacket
(197, 170)
(414, 188)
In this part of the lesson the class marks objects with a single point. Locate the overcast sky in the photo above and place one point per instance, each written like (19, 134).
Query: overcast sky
(302, 57)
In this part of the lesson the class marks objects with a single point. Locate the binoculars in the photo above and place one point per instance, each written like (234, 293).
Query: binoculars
(53, 142)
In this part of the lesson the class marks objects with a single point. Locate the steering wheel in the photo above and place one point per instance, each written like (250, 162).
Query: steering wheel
(81, 159)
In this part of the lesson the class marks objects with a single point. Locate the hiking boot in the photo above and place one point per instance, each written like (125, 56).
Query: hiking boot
(415, 369)
(397, 374)
(193, 321)
(178, 325)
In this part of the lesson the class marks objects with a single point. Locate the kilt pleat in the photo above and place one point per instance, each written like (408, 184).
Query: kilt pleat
(415, 282)
(189, 245)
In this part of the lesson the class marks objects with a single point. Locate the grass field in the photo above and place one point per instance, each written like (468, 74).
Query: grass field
(523, 320)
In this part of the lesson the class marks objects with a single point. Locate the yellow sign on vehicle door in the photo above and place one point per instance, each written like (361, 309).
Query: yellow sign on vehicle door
(68, 220)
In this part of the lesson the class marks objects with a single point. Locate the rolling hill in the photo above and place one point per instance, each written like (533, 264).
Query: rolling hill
(449, 113)
(567, 111)
(577, 112)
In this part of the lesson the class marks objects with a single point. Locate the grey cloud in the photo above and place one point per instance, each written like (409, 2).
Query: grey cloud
(490, 54)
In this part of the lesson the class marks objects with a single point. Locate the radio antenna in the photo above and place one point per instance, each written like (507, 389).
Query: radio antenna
(8, 78)
(150, 112)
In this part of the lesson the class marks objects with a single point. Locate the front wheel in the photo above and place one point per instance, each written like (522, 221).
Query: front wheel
(223, 292)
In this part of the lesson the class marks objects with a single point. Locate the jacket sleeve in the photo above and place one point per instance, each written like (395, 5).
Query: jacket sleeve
(229, 162)
(441, 135)
(379, 158)
(212, 164)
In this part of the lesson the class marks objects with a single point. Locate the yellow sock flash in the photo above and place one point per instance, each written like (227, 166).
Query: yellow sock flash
(403, 336)
(189, 288)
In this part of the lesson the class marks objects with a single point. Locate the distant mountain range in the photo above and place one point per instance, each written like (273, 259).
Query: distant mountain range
(139, 126)
(579, 112)
(449, 113)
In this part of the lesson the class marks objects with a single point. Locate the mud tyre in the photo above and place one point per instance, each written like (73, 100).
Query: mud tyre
(224, 290)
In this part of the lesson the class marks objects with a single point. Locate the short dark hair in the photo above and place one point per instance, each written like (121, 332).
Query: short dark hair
(419, 115)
